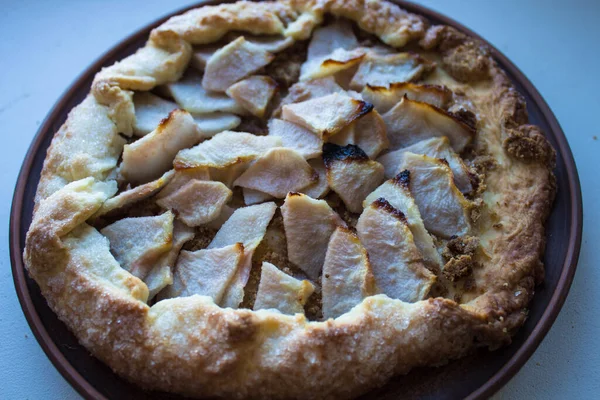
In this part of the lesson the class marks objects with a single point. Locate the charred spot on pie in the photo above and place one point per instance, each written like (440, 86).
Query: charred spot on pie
(350, 152)
(384, 205)
(444, 161)
(364, 108)
(402, 179)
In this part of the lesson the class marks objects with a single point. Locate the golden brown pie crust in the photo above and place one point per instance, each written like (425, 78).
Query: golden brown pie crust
(193, 347)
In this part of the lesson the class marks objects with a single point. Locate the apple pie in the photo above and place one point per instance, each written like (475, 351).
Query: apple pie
(293, 199)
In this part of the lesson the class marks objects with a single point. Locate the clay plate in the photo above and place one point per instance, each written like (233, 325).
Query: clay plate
(474, 377)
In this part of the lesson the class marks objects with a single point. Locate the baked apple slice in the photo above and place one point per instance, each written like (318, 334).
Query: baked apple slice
(232, 63)
(225, 149)
(397, 263)
(296, 137)
(149, 111)
(197, 202)
(378, 69)
(205, 272)
(351, 174)
(308, 224)
(280, 291)
(137, 243)
(151, 156)
(396, 191)
(444, 209)
(335, 111)
(384, 98)
(278, 172)
(436, 147)
(247, 225)
(347, 277)
(411, 121)
(190, 95)
(254, 93)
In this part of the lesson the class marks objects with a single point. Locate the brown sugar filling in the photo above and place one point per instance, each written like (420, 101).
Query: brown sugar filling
(459, 254)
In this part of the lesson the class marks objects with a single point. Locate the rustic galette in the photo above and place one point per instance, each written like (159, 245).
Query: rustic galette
(293, 199)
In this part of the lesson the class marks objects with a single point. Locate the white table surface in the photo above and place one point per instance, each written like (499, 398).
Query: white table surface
(44, 45)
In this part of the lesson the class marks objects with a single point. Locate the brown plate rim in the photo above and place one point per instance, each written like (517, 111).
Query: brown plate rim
(501, 377)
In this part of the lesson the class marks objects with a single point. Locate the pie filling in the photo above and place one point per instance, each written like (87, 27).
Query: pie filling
(302, 177)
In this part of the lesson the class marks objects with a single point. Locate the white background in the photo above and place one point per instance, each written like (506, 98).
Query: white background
(44, 45)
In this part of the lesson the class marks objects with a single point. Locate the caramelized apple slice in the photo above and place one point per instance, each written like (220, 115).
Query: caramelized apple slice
(379, 69)
(205, 272)
(437, 147)
(247, 225)
(411, 121)
(384, 98)
(224, 149)
(335, 111)
(368, 132)
(337, 61)
(296, 137)
(396, 191)
(149, 111)
(254, 93)
(326, 40)
(137, 243)
(444, 209)
(396, 261)
(191, 96)
(197, 202)
(347, 277)
(308, 225)
(351, 174)
(280, 291)
(151, 156)
(232, 63)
